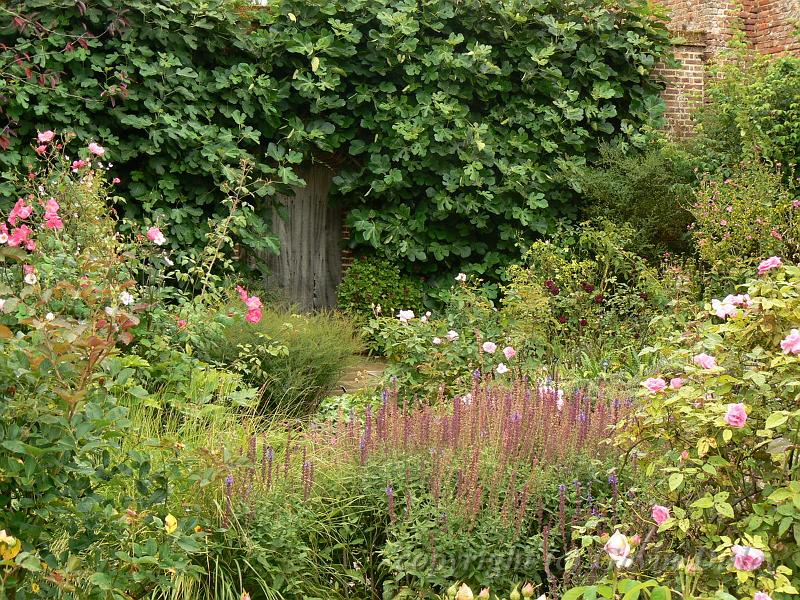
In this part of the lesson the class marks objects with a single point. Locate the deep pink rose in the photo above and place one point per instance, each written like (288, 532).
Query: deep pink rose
(253, 316)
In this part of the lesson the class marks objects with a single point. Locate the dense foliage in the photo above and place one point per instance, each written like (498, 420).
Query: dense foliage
(448, 122)
(178, 91)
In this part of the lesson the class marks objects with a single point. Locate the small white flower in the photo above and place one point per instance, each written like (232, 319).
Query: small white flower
(126, 298)
(437, 341)
(2, 303)
(461, 277)
(423, 319)
(502, 368)
(452, 336)
(31, 279)
(168, 262)
(3, 238)
(49, 316)
(428, 314)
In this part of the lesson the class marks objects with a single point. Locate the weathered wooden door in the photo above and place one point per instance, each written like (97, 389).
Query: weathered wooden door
(308, 267)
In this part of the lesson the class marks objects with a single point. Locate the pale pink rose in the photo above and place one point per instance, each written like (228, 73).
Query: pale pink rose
(796, 203)
(405, 315)
(705, 361)
(489, 347)
(45, 137)
(41, 149)
(736, 415)
(618, 549)
(654, 384)
(723, 309)
(791, 343)
(452, 336)
(746, 558)
(676, 383)
(762, 596)
(773, 262)
(253, 302)
(116, 180)
(660, 514)
(737, 300)
(502, 368)
(436, 341)
(96, 149)
(461, 277)
(509, 352)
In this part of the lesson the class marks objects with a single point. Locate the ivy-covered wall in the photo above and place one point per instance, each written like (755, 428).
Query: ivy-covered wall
(452, 124)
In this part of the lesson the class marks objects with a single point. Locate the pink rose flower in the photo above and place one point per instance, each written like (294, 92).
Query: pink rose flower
(452, 335)
(19, 236)
(654, 384)
(660, 514)
(54, 222)
(96, 149)
(746, 558)
(436, 341)
(253, 302)
(45, 137)
(705, 361)
(723, 309)
(242, 293)
(489, 347)
(676, 383)
(736, 415)
(253, 316)
(762, 596)
(509, 352)
(41, 149)
(116, 180)
(796, 203)
(181, 323)
(773, 262)
(154, 235)
(791, 343)
(20, 210)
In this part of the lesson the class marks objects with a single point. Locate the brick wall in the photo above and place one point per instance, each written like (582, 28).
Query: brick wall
(705, 27)
(684, 92)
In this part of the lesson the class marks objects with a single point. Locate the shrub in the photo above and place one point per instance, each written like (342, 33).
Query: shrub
(374, 283)
(427, 352)
(294, 359)
(175, 110)
(84, 516)
(582, 293)
(722, 441)
(743, 219)
(646, 189)
(751, 113)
